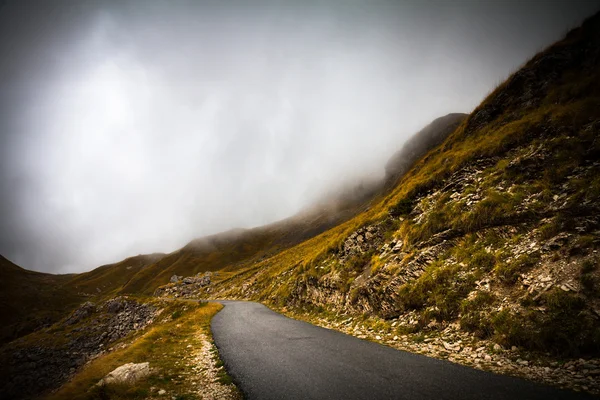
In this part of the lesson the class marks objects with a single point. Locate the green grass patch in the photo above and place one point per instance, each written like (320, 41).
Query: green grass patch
(440, 290)
(564, 329)
(509, 271)
(475, 315)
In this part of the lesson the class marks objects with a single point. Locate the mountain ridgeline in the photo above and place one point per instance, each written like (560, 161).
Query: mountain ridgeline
(419, 144)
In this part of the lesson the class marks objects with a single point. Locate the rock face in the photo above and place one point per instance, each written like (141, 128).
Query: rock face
(189, 287)
(85, 310)
(33, 367)
(127, 373)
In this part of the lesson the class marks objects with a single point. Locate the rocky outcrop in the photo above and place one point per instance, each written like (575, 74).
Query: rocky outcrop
(84, 311)
(44, 360)
(188, 287)
(360, 242)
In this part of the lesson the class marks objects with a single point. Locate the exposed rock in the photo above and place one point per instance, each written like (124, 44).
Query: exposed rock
(37, 367)
(397, 247)
(127, 373)
(557, 241)
(188, 287)
(115, 305)
(84, 310)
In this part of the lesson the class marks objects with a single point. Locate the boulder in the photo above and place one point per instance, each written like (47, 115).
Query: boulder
(175, 279)
(82, 312)
(398, 246)
(127, 373)
(115, 305)
(205, 280)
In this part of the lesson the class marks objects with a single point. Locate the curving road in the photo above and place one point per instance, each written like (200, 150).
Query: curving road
(270, 356)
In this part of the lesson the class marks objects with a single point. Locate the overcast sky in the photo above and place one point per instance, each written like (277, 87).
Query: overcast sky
(132, 127)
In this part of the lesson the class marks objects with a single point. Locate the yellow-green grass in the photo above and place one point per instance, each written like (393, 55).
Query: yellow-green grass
(164, 345)
(108, 279)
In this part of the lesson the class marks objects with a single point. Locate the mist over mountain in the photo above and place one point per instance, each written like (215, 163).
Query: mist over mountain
(132, 127)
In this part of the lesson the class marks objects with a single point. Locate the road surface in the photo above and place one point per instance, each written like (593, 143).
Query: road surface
(270, 356)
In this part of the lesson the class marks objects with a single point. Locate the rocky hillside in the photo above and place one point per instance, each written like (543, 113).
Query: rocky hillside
(120, 348)
(31, 300)
(495, 231)
(46, 359)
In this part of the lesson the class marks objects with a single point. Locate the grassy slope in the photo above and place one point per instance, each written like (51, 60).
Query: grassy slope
(426, 139)
(554, 99)
(165, 345)
(105, 280)
(31, 299)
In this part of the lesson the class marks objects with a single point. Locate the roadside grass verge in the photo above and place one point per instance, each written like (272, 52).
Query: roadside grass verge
(167, 346)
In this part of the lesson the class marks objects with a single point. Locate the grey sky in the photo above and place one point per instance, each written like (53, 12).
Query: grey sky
(132, 127)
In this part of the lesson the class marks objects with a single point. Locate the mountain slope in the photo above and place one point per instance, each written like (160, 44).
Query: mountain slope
(496, 230)
(30, 300)
(487, 248)
(107, 279)
(426, 139)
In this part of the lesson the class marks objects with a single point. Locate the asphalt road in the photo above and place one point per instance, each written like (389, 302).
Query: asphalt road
(270, 356)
